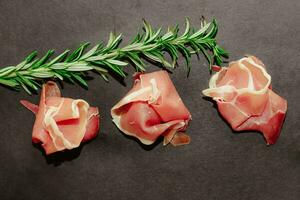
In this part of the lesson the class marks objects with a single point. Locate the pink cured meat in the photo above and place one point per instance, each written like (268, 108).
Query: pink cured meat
(153, 108)
(245, 99)
(62, 123)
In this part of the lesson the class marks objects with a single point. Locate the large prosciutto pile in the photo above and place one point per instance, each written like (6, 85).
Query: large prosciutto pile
(153, 108)
(245, 99)
(62, 123)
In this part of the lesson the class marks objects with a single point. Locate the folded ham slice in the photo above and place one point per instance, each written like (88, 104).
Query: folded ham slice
(62, 123)
(153, 108)
(245, 99)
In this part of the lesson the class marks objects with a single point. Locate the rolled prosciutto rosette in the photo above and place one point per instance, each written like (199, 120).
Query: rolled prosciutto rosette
(153, 108)
(62, 123)
(245, 99)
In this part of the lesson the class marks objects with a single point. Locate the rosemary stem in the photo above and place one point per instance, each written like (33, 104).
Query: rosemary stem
(151, 44)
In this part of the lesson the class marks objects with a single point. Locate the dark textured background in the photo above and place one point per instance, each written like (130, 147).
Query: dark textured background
(218, 164)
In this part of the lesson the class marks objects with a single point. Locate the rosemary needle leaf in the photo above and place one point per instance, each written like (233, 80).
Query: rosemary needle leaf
(90, 52)
(59, 58)
(111, 39)
(115, 68)
(9, 83)
(77, 53)
(59, 76)
(79, 67)
(41, 61)
(104, 77)
(44, 74)
(187, 27)
(25, 88)
(100, 69)
(116, 42)
(31, 56)
(7, 71)
(117, 62)
(80, 80)
(154, 36)
(58, 66)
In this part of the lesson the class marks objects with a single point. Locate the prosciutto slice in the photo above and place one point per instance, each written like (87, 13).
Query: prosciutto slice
(153, 108)
(245, 99)
(62, 123)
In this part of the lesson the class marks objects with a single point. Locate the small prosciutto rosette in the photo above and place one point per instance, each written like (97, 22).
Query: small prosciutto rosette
(245, 99)
(62, 123)
(153, 108)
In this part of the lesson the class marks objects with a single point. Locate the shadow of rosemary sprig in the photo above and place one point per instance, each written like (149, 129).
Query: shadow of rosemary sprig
(151, 44)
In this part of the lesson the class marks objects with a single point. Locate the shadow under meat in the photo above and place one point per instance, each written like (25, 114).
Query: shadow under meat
(143, 146)
(58, 158)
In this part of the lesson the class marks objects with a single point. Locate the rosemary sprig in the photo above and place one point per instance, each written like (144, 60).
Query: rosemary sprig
(151, 45)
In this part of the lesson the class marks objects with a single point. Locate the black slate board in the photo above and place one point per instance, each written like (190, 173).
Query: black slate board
(218, 164)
